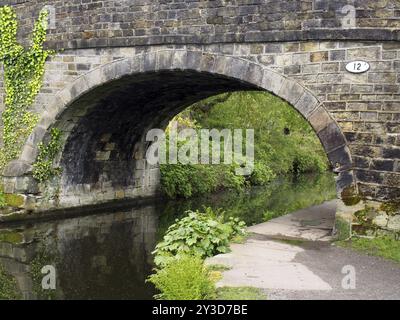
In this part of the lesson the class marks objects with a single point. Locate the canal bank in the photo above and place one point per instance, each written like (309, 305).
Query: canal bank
(293, 257)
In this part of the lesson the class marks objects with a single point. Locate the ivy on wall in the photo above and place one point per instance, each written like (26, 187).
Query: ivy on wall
(43, 167)
(23, 77)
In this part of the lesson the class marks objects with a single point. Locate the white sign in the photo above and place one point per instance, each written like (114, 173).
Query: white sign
(357, 66)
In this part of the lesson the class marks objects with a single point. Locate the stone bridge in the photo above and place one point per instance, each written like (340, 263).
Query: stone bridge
(126, 66)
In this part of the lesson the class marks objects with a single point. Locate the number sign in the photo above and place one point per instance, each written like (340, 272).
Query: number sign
(357, 67)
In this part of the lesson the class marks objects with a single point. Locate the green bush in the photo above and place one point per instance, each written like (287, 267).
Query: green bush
(185, 278)
(189, 180)
(261, 175)
(201, 234)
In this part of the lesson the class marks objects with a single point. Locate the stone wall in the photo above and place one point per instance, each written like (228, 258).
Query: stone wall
(105, 23)
(295, 49)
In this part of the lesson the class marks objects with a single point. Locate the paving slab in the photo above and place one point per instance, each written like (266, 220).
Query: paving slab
(314, 223)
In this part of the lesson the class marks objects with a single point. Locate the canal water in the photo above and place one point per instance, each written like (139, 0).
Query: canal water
(107, 255)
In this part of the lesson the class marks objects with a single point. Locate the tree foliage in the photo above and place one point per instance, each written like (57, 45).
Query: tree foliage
(285, 143)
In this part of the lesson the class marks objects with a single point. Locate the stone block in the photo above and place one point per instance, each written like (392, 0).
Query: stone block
(102, 155)
(254, 74)
(164, 60)
(364, 53)
(320, 119)
(193, 60)
(306, 104)
(291, 91)
(331, 137)
(340, 159)
(319, 56)
(394, 223)
(17, 168)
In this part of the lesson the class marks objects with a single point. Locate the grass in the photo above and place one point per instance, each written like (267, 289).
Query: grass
(385, 247)
(218, 267)
(240, 239)
(240, 293)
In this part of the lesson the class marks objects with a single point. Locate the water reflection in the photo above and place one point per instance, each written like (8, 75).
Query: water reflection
(108, 255)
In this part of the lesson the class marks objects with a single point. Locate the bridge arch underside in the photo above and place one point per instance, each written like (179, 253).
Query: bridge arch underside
(104, 152)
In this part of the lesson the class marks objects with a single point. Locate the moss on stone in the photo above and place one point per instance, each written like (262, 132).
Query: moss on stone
(350, 197)
(14, 200)
(391, 208)
(11, 237)
(342, 229)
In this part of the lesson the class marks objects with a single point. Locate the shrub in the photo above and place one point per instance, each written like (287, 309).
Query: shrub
(261, 175)
(185, 278)
(188, 180)
(201, 234)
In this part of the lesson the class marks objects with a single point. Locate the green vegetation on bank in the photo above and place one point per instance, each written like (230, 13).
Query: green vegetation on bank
(386, 247)
(203, 234)
(240, 293)
(185, 278)
(284, 144)
(181, 273)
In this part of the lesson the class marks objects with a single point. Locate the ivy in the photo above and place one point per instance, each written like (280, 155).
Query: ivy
(23, 77)
(43, 167)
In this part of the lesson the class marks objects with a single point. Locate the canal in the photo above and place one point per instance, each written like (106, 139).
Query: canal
(108, 255)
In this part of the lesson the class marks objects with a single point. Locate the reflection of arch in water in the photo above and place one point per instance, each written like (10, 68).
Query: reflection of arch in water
(112, 250)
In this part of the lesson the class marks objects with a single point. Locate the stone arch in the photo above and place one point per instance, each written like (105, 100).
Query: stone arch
(244, 71)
